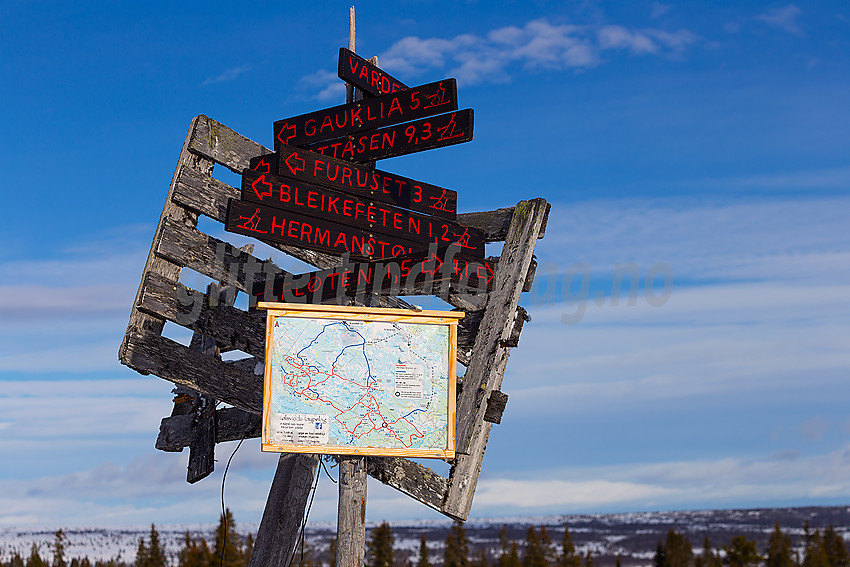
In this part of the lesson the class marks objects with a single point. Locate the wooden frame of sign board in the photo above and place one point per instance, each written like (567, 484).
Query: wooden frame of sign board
(448, 319)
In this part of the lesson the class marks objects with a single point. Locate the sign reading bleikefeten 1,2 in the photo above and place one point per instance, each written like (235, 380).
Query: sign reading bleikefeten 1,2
(359, 381)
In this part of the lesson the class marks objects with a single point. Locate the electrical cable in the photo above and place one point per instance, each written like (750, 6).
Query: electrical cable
(223, 517)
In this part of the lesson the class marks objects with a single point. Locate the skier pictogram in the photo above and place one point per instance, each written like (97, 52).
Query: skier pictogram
(251, 222)
(441, 202)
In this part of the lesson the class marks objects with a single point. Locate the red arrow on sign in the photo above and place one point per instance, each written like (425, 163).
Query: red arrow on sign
(488, 269)
(283, 129)
(294, 170)
(261, 180)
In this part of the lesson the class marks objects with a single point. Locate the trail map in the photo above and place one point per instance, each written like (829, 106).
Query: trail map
(356, 384)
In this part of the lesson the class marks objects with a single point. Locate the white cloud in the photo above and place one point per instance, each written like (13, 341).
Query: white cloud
(227, 75)
(783, 18)
(491, 58)
(769, 479)
(327, 85)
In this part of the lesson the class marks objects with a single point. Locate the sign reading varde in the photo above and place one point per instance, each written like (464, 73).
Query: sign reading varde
(383, 186)
(315, 201)
(365, 76)
(420, 135)
(376, 112)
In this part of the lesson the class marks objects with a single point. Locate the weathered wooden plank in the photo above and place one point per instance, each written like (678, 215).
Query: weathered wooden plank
(421, 273)
(274, 225)
(228, 326)
(486, 368)
(212, 257)
(411, 478)
(319, 202)
(366, 75)
(495, 406)
(202, 445)
(280, 526)
(232, 424)
(364, 180)
(140, 322)
(375, 112)
(217, 142)
(417, 136)
(153, 354)
(351, 514)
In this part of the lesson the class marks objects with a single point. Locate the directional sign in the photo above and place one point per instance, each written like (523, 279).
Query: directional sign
(269, 224)
(365, 76)
(321, 202)
(425, 134)
(393, 275)
(375, 112)
(375, 184)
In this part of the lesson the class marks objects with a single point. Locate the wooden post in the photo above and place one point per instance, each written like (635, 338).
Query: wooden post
(349, 89)
(284, 513)
(351, 517)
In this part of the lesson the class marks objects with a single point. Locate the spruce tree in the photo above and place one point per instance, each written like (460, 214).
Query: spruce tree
(379, 548)
(815, 554)
(568, 557)
(708, 557)
(741, 552)
(779, 550)
(17, 560)
(658, 560)
(677, 550)
(588, 559)
(59, 544)
(836, 551)
(226, 540)
(457, 547)
(156, 555)
(423, 553)
(142, 553)
(509, 556)
(249, 549)
(534, 555)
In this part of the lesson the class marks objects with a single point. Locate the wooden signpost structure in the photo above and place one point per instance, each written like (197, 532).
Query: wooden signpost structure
(373, 236)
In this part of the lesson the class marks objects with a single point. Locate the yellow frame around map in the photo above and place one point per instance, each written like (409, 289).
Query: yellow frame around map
(299, 310)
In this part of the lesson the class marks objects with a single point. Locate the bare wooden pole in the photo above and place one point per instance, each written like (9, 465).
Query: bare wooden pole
(284, 513)
(349, 89)
(351, 517)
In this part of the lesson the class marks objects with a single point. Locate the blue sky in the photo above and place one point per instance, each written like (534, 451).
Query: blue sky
(710, 141)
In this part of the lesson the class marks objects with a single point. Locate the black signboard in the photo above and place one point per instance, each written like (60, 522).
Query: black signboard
(374, 184)
(270, 224)
(394, 108)
(365, 76)
(315, 201)
(411, 271)
(424, 134)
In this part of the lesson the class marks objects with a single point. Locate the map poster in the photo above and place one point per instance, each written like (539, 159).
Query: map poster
(359, 381)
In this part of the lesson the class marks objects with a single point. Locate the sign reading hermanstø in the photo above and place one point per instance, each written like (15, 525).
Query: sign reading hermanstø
(359, 381)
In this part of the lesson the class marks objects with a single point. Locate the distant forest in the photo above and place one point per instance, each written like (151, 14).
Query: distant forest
(230, 549)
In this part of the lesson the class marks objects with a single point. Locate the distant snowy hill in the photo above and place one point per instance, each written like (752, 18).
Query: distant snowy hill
(631, 536)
